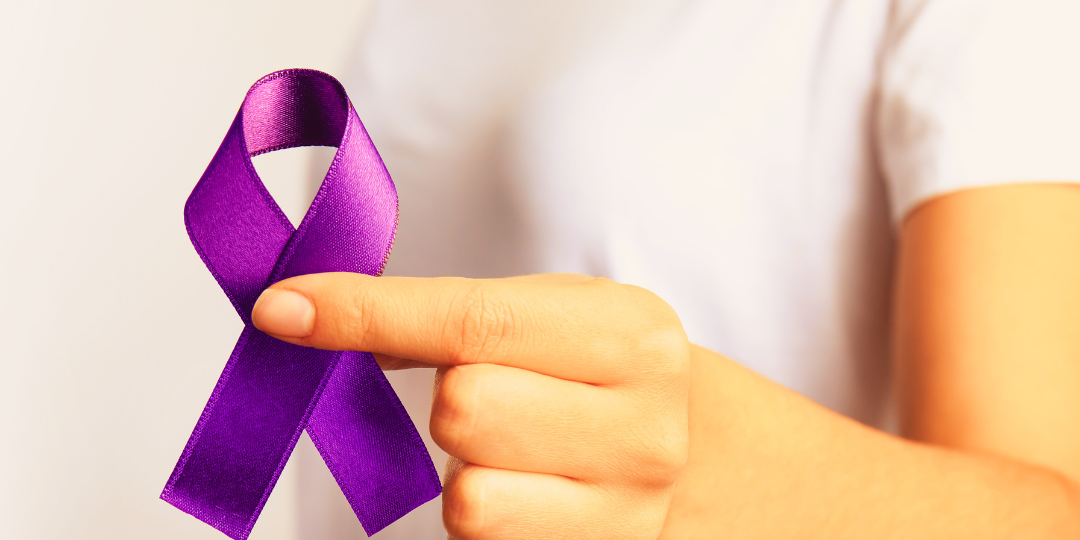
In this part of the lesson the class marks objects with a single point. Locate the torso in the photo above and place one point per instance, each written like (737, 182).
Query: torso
(718, 154)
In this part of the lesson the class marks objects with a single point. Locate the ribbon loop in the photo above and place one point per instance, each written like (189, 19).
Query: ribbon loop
(270, 390)
(291, 108)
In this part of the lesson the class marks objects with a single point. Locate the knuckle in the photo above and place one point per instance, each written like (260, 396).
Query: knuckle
(651, 517)
(479, 324)
(643, 511)
(355, 325)
(454, 412)
(655, 323)
(668, 352)
(661, 313)
(662, 454)
(662, 340)
(463, 504)
(604, 283)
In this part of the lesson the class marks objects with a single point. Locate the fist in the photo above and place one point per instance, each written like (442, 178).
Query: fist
(562, 399)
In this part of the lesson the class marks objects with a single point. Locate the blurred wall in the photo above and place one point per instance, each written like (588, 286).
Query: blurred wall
(112, 333)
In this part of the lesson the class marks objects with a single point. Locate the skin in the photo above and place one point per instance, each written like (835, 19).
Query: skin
(575, 407)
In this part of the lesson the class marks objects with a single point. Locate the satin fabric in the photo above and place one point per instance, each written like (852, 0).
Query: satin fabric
(270, 390)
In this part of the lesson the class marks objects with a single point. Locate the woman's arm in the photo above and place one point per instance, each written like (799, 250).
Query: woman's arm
(765, 462)
(987, 324)
(988, 359)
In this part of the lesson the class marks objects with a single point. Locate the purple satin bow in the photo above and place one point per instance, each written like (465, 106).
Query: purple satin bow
(271, 390)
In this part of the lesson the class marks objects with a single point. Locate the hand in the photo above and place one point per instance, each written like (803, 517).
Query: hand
(564, 396)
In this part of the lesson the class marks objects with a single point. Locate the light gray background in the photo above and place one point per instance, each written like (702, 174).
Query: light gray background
(112, 333)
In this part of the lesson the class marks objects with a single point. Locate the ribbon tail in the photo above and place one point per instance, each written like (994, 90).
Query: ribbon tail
(371, 445)
(247, 431)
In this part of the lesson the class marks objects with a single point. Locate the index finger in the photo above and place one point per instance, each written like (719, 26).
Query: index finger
(582, 330)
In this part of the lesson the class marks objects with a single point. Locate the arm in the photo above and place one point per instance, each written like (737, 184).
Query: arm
(988, 358)
(988, 324)
(765, 462)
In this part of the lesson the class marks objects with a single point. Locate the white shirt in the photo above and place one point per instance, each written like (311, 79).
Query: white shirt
(748, 161)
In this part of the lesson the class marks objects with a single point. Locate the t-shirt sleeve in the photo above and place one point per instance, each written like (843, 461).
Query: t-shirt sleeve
(976, 93)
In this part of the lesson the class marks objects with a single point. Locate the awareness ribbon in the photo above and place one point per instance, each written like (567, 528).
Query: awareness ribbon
(271, 390)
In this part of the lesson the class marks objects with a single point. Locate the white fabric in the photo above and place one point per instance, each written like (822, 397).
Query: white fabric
(979, 92)
(747, 160)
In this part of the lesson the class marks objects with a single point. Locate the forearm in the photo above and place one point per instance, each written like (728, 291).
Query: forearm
(765, 462)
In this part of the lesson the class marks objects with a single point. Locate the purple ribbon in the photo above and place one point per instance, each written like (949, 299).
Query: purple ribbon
(271, 390)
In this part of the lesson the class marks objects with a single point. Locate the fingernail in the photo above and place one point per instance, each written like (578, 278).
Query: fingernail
(284, 313)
